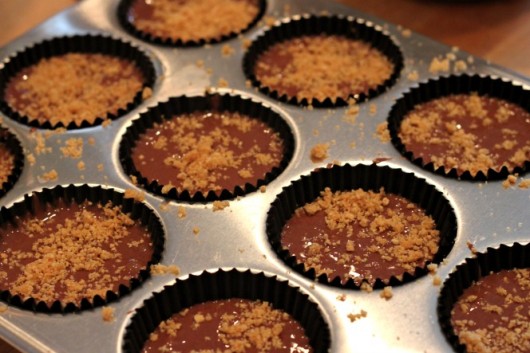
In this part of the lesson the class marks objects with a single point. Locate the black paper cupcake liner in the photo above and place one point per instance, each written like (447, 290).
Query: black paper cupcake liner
(93, 44)
(457, 84)
(78, 194)
(225, 284)
(352, 28)
(466, 274)
(125, 20)
(13, 145)
(209, 102)
(369, 178)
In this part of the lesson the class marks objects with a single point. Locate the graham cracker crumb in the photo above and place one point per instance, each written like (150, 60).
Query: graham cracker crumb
(382, 132)
(167, 188)
(50, 176)
(439, 65)
(181, 213)
(262, 188)
(107, 313)
(222, 83)
(73, 148)
(159, 269)
(413, 75)
(386, 293)
(436, 280)
(366, 287)
(196, 230)
(91, 141)
(31, 159)
(227, 50)
(372, 109)
(341, 297)
(406, 32)
(319, 152)
(147, 92)
(460, 65)
(3, 308)
(199, 63)
(511, 180)
(433, 268)
(100, 167)
(354, 317)
(524, 184)
(81, 165)
(178, 20)
(220, 205)
(134, 194)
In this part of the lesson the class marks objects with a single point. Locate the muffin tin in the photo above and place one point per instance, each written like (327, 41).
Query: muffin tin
(487, 214)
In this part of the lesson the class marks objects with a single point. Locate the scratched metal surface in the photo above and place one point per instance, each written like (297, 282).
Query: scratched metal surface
(487, 214)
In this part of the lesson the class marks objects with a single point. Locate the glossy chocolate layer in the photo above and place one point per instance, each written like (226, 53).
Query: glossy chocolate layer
(202, 151)
(70, 252)
(320, 67)
(192, 20)
(361, 235)
(230, 325)
(492, 315)
(468, 133)
(74, 87)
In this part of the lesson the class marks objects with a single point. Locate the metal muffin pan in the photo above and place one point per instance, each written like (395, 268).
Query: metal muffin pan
(487, 214)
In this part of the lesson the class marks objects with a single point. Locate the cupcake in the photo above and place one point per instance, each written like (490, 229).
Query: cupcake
(323, 61)
(188, 23)
(484, 304)
(71, 248)
(228, 310)
(470, 127)
(216, 146)
(349, 231)
(75, 82)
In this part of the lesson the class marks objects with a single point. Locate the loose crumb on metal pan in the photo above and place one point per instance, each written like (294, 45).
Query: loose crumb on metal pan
(319, 152)
(134, 194)
(107, 314)
(386, 293)
(181, 212)
(220, 205)
(73, 148)
(159, 269)
(382, 132)
(81, 165)
(354, 317)
(438, 65)
(524, 184)
(50, 176)
(511, 180)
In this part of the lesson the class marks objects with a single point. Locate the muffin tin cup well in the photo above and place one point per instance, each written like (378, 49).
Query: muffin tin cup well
(210, 102)
(369, 178)
(12, 144)
(90, 44)
(225, 284)
(126, 22)
(70, 194)
(311, 25)
(457, 84)
(473, 269)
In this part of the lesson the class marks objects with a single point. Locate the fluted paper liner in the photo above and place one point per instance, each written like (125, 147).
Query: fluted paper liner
(366, 177)
(78, 194)
(226, 284)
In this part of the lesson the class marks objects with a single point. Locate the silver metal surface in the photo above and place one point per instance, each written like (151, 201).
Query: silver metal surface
(487, 214)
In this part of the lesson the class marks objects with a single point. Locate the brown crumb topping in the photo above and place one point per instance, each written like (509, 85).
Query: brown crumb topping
(354, 317)
(159, 269)
(107, 314)
(468, 133)
(220, 205)
(50, 176)
(229, 326)
(492, 314)
(215, 151)
(180, 20)
(319, 152)
(386, 293)
(322, 67)
(71, 252)
(382, 132)
(73, 88)
(73, 148)
(362, 235)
